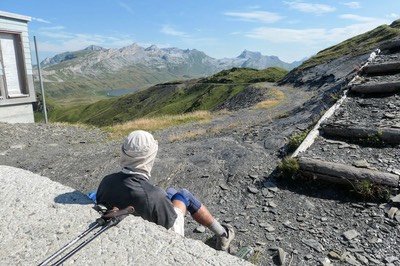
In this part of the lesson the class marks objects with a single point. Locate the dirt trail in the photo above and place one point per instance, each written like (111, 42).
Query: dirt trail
(241, 119)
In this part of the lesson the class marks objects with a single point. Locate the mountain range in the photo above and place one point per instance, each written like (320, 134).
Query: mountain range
(79, 79)
(96, 70)
(135, 54)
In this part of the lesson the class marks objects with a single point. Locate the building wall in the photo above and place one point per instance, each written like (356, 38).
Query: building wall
(18, 24)
(20, 113)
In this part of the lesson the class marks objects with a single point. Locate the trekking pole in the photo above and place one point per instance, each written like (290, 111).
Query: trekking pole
(108, 225)
(99, 222)
(107, 220)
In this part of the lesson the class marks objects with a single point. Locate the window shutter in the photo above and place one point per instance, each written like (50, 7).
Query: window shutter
(10, 64)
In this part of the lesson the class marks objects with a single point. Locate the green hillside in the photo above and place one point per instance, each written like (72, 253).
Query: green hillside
(168, 98)
(360, 44)
(80, 88)
(83, 77)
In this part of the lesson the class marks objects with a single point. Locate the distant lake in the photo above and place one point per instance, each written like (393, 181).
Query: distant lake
(119, 92)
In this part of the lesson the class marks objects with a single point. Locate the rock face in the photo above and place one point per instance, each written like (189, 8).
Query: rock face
(45, 215)
(135, 54)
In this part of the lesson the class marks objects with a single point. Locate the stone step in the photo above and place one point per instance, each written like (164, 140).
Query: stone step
(361, 111)
(383, 158)
(377, 88)
(382, 69)
(391, 45)
(360, 140)
(344, 174)
(370, 135)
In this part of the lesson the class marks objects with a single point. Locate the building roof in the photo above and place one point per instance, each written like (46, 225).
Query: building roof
(14, 16)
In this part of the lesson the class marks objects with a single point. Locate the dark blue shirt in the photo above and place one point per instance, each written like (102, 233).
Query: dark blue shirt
(150, 202)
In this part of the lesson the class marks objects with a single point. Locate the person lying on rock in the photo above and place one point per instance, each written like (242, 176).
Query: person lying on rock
(131, 187)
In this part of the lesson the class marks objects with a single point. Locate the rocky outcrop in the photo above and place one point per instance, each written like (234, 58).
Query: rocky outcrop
(43, 216)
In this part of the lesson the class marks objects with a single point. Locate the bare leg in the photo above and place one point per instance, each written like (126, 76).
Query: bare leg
(180, 205)
(203, 216)
(185, 201)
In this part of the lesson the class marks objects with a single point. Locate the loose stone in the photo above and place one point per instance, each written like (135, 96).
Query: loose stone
(313, 244)
(252, 190)
(350, 234)
(334, 255)
(224, 187)
(308, 257)
(282, 256)
(272, 204)
(200, 229)
(392, 211)
(361, 164)
(269, 237)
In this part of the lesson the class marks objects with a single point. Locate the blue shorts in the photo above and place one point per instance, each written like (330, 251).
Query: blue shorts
(192, 204)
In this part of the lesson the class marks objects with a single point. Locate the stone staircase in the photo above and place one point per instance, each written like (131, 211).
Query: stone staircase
(358, 139)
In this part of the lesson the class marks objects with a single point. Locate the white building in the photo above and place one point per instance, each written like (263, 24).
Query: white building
(17, 93)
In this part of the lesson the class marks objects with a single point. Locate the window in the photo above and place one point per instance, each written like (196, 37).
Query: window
(12, 69)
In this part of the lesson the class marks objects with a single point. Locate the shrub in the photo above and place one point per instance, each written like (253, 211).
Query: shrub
(295, 140)
(289, 167)
(371, 191)
(375, 140)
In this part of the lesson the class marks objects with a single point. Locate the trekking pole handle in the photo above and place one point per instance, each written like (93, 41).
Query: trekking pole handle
(117, 213)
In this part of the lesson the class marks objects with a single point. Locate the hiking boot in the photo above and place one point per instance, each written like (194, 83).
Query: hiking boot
(224, 241)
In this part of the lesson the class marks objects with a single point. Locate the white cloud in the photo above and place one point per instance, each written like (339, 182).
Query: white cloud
(169, 30)
(56, 40)
(280, 35)
(41, 20)
(80, 41)
(353, 5)
(317, 9)
(313, 36)
(393, 16)
(359, 18)
(258, 16)
(55, 28)
(254, 7)
(126, 7)
(56, 35)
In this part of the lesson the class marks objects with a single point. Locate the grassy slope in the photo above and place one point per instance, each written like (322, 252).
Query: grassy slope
(168, 99)
(66, 87)
(75, 87)
(357, 45)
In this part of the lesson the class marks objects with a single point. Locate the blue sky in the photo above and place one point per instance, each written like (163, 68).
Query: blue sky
(288, 29)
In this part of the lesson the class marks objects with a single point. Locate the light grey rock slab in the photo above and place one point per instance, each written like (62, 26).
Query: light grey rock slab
(43, 216)
(350, 234)
(392, 212)
(313, 244)
(396, 198)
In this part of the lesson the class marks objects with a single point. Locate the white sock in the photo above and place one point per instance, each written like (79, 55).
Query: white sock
(217, 228)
